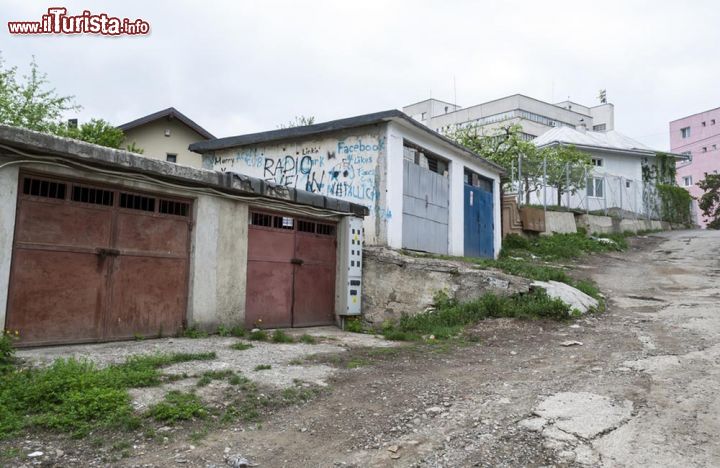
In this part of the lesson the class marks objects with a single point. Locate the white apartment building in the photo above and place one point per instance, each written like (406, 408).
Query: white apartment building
(535, 116)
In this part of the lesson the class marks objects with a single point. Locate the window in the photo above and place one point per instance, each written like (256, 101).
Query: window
(687, 181)
(685, 132)
(422, 116)
(597, 162)
(714, 147)
(712, 121)
(595, 187)
(174, 207)
(704, 149)
(171, 158)
(424, 158)
(628, 183)
(704, 124)
(599, 128)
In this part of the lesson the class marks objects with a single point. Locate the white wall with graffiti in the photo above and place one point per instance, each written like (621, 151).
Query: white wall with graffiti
(347, 167)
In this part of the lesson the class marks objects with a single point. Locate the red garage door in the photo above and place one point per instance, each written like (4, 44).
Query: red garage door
(96, 263)
(291, 272)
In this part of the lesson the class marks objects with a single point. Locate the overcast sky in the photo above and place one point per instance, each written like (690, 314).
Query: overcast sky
(239, 67)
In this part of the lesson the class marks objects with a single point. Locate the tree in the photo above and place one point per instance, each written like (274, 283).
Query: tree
(97, 131)
(505, 147)
(567, 169)
(709, 202)
(30, 103)
(299, 121)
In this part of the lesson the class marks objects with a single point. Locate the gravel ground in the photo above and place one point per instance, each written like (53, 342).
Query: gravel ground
(641, 389)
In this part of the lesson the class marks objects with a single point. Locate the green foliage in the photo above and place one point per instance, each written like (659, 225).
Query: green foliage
(675, 203)
(709, 202)
(209, 376)
(354, 325)
(194, 332)
(560, 246)
(357, 362)
(566, 169)
(75, 396)
(258, 335)
(97, 131)
(308, 339)
(240, 346)
(178, 406)
(262, 367)
(451, 316)
(280, 336)
(29, 101)
(7, 350)
(237, 331)
(222, 330)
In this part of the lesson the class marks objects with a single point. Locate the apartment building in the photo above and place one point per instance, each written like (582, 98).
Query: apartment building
(535, 116)
(698, 137)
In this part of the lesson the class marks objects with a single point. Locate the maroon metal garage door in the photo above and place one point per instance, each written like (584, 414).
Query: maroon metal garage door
(290, 273)
(96, 263)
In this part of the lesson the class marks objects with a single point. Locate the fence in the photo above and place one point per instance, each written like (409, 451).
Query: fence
(603, 192)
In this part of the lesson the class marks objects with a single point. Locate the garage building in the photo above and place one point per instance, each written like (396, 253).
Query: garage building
(424, 191)
(98, 244)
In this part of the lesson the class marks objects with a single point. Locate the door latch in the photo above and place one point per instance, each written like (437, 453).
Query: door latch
(297, 261)
(107, 252)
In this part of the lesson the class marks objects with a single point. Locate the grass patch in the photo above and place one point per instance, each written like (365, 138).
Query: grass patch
(450, 316)
(209, 376)
(357, 362)
(237, 331)
(280, 336)
(76, 396)
(560, 246)
(240, 346)
(258, 335)
(308, 339)
(354, 325)
(194, 332)
(262, 367)
(178, 406)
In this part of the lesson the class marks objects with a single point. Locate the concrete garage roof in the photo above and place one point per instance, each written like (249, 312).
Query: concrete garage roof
(294, 133)
(44, 147)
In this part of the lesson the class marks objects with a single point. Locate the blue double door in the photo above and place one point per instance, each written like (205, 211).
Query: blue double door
(479, 240)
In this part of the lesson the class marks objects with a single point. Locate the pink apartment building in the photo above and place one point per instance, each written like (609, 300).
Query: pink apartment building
(697, 136)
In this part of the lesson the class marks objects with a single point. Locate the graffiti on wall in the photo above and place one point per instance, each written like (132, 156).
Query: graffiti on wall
(340, 168)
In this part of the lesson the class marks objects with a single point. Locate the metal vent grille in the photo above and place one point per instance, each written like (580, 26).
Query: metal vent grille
(44, 188)
(174, 207)
(137, 202)
(92, 195)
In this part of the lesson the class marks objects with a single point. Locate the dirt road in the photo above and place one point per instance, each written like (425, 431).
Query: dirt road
(643, 388)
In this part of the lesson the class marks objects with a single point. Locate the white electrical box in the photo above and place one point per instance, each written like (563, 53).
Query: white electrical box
(351, 264)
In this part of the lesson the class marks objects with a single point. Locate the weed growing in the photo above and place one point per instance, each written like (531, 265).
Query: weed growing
(308, 339)
(240, 346)
(76, 396)
(258, 335)
(194, 332)
(209, 376)
(280, 336)
(262, 367)
(451, 316)
(178, 406)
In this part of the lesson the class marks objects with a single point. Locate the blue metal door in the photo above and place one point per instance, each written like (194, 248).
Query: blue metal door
(478, 222)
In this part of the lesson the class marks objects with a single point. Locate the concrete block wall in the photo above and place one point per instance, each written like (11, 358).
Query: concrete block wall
(559, 222)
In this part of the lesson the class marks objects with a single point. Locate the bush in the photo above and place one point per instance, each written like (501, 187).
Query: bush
(354, 325)
(240, 346)
(194, 332)
(308, 339)
(237, 331)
